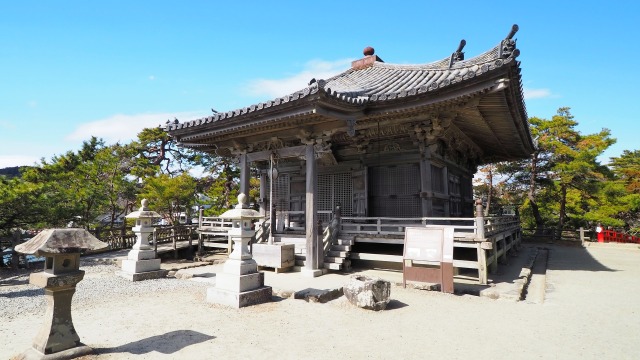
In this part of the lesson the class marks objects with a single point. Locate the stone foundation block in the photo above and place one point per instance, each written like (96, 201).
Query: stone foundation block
(239, 283)
(33, 354)
(141, 255)
(147, 275)
(240, 267)
(238, 300)
(138, 266)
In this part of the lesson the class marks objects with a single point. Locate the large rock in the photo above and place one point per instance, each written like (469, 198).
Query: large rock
(367, 292)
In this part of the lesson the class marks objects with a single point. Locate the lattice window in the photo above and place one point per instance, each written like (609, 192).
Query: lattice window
(437, 174)
(281, 192)
(455, 206)
(334, 189)
(437, 206)
(394, 191)
(454, 185)
(467, 187)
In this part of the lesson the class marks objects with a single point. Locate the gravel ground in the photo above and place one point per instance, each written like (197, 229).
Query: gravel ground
(98, 286)
(590, 311)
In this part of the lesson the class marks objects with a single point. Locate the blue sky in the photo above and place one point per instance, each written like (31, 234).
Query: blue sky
(72, 69)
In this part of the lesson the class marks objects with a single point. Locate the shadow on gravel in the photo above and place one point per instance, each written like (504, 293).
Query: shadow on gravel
(14, 282)
(25, 293)
(573, 258)
(168, 343)
(395, 304)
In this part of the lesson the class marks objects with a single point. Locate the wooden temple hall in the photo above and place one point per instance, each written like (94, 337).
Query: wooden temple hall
(347, 163)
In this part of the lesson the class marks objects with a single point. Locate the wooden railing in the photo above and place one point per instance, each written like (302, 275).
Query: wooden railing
(463, 227)
(498, 224)
(215, 230)
(477, 228)
(172, 234)
(214, 225)
(619, 237)
(118, 242)
(294, 220)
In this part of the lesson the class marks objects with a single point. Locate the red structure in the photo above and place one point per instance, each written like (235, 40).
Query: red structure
(614, 236)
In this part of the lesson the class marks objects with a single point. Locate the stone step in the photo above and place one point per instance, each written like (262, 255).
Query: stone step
(332, 266)
(342, 254)
(340, 247)
(345, 241)
(330, 259)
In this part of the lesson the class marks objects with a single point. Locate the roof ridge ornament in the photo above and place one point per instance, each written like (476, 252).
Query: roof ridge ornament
(369, 59)
(508, 45)
(458, 55)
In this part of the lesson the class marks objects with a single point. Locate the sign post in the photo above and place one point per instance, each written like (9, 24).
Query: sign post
(428, 256)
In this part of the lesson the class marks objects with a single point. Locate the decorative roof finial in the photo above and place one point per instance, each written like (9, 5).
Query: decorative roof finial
(242, 201)
(368, 51)
(514, 30)
(458, 55)
(508, 45)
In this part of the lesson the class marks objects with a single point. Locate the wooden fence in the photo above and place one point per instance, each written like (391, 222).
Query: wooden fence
(174, 235)
(118, 242)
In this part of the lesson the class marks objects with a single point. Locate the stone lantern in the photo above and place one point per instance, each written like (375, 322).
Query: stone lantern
(240, 284)
(61, 249)
(141, 262)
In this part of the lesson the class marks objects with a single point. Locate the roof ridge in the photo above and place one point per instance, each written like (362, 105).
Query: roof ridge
(348, 86)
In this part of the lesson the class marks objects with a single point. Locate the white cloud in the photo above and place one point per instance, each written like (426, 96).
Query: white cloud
(17, 160)
(318, 69)
(123, 128)
(536, 93)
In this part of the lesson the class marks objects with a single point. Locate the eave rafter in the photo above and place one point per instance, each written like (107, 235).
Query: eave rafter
(454, 131)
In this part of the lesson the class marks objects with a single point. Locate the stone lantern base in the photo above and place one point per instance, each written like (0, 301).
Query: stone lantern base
(57, 338)
(239, 285)
(33, 354)
(141, 265)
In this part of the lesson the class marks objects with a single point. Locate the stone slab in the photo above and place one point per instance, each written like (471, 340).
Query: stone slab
(141, 254)
(239, 283)
(238, 300)
(318, 295)
(138, 266)
(148, 275)
(33, 354)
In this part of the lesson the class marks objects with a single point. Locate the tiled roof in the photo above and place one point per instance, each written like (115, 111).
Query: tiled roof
(381, 82)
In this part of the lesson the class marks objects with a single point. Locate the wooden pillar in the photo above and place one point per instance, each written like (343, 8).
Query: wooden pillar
(447, 204)
(263, 194)
(426, 188)
(244, 174)
(311, 213)
(479, 220)
(482, 264)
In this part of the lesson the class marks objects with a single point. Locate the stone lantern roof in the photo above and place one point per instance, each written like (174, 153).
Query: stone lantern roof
(144, 212)
(241, 211)
(61, 241)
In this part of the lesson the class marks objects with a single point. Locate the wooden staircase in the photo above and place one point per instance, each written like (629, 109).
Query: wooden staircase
(336, 258)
